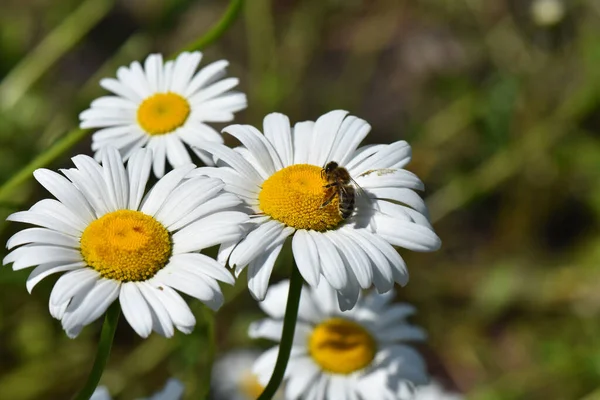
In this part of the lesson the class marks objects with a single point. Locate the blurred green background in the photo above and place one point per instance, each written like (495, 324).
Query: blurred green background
(499, 99)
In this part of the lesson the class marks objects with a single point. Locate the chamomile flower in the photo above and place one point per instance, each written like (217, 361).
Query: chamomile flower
(357, 354)
(232, 377)
(339, 231)
(173, 390)
(162, 106)
(113, 242)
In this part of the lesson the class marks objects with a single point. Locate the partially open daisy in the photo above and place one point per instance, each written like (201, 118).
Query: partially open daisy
(162, 106)
(113, 242)
(287, 177)
(357, 354)
(232, 377)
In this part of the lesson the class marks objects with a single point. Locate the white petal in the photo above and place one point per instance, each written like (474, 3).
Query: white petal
(261, 149)
(184, 69)
(402, 195)
(159, 153)
(351, 133)
(197, 263)
(72, 283)
(120, 89)
(325, 131)
(177, 155)
(135, 309)
(66, 193)
(42, 236)
(399, 270)
(46, 221)
(116, 178)
(332, 265)
(157, 195)
(180, 313)
(224, 201)
(192, 284)
(94, 304)
(186, 198)
(138, 169)
(259, 271)
(209, 231)
(234, 182)
(300, 383)
(307, 257)
(213, 90)
(30, 255)
(161, 321)
(395, 155)
(206, 75)
(389, 178)
(406, 234)
(302, 138)
(277, 130)
(383, 277)
(153, 68)
(44, 270)
(234, 159)
(256, 242)
(357, 260)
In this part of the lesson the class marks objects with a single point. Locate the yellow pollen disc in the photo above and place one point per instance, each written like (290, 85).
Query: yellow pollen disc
(163, 113)
(126, 245)
(250, 386)
(341, 346)
(294, 196)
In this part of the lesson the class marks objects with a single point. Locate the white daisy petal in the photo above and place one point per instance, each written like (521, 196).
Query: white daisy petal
(153, 69)
(258, 145)
(255, 243)
(383, 276)
(44, 220)
(177, 155)
(307, 257)
(138, 170)
(394, 156)
(299, 384)
(209, 231)
(389, 178)
(47, 269)
(208, 74)
(191, 284)
(178, 310)
(57, 210)
(302, 138)
(161, 321)
(216, 204)
(357, 260)
(135, 309)
(42, 236)
(406, 234)
(118, 88)
(352, 132)
(196, 263)
(332, 266)
(213, 90)
(95, 303)
(159, 155)
(277, 130)
(403, 195)
(184, 68)
(71, 283)
(325, 131)
(65, 192)
(259, 271)
(115, 177)
(30, 255)
(158, 194)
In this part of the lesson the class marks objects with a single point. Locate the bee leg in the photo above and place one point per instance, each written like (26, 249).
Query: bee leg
(330, 185)
(326, 203)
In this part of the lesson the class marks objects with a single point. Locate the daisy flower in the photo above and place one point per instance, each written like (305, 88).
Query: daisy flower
(112, 242)
(173, 390)
(281, 177)
(161, 106)
(232, 377)
(357, 354)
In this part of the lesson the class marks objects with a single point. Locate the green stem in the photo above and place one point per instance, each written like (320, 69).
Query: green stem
(219, 28)
(106, 339)
(287, 336)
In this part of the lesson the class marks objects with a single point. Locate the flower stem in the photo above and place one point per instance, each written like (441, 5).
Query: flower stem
(287, 336)
(106, 339)
(219, 28)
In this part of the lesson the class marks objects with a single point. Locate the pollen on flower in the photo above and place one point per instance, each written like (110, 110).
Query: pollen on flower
(126, 245)
(341, 346)
(294, 196)
(163, 113)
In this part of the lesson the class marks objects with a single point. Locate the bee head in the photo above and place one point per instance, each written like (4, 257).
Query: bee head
(330, 167)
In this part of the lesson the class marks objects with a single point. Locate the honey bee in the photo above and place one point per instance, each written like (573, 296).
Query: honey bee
(339, 178)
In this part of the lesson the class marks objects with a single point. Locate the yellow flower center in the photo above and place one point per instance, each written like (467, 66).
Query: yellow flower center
(341, 346)
(250, 386)
(163, 113)
(295, 195)
(126, 245)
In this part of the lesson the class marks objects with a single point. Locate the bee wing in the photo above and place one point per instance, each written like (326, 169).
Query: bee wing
(360, 192)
